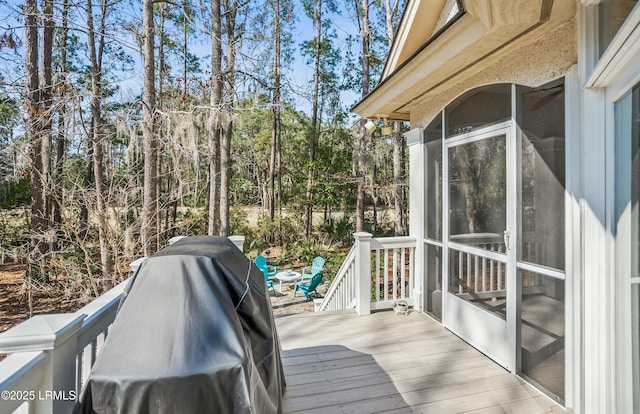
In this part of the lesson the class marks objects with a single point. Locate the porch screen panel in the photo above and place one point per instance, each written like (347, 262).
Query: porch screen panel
(542, 172)
(477, 193)
(433, 179)
(542, 331)
(635, 243)
(635, 331)
(627, 211)
(478, 108)
(433, 219)
(479, 280)
(433, 266)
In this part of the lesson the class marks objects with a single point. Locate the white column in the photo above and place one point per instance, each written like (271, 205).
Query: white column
(598, 376)
(363, 273)
(417, 207)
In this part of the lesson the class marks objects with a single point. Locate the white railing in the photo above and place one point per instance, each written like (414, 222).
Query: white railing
(50, 356)
(377, 273)
(481, 274)
(342, 292)
(477, 273)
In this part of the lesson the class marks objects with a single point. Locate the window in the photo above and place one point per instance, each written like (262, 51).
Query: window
(612, 14)
(627, 210)
(478, 108)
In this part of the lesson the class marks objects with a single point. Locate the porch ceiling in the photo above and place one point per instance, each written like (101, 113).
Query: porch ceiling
(488, 30)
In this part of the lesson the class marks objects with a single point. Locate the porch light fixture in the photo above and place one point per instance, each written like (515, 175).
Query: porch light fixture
(386, 128)
(370, 126)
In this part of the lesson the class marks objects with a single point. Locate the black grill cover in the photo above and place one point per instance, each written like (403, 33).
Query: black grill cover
(194, 334)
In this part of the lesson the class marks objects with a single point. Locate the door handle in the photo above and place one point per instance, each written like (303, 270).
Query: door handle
(507, 235)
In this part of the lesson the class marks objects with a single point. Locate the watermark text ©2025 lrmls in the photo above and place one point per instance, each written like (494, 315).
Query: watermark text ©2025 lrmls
(40, 395)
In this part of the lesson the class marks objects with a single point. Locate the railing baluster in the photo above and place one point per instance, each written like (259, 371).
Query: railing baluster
(394, 275)
(484, 274)
(460, 272)
(402, 273)
(386, 274)
(411, 261)
(476, 266)
(468, 270)
(377, 274)
(492, 270)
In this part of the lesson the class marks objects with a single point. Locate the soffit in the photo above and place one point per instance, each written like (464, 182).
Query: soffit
(488, 31)
(419, 22)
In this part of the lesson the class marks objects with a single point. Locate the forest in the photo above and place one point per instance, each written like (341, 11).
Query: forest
(124, 123)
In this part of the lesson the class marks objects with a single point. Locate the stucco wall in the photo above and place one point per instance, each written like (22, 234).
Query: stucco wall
(536, 63)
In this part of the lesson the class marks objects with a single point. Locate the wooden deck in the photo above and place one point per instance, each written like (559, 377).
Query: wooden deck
(343, 363)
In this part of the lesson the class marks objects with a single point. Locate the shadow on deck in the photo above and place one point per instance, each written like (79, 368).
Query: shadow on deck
(338, 362)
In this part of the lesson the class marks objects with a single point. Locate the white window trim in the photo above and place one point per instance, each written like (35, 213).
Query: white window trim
(619, 54)
(612, 77)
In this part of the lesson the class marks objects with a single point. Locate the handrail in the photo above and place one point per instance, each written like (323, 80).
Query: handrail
(337, 282)
(20, 373)
(377, 281)
(30, 380)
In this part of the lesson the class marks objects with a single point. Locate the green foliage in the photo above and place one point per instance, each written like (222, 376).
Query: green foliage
(14, 227)
(339, 230)
(193, 221)
(15, 193)
(239, 223)
(282, 230)
(306, 251)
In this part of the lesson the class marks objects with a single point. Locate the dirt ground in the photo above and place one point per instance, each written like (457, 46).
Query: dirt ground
(14, 303)
(285, 304)
(14, 298)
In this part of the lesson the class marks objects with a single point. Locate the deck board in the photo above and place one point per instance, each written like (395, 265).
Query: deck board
(338, 362)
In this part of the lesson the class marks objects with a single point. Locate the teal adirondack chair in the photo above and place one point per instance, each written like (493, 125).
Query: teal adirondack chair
(269, 284)
(317, 265)
(267, 270)
(310, 286)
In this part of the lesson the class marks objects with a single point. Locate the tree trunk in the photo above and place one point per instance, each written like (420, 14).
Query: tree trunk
(149, 229)
(96, 139)
(399, 179)
(365, 35)
(315, 121)
(87, 181)
(215, 102)
(62, 115)
(275, 109)
(233, 37)
(47, 107)
(398, 182)
(225, 177)
(34, 125)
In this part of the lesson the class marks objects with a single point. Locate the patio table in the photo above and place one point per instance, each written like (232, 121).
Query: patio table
(287, 276)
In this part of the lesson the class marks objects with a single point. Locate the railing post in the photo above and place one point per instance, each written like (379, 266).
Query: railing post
(238, 241)
(363, 273)
(56, 334)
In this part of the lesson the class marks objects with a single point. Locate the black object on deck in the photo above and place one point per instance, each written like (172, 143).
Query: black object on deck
(194, 334)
